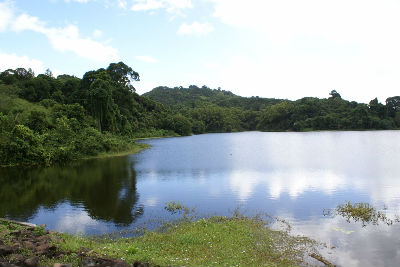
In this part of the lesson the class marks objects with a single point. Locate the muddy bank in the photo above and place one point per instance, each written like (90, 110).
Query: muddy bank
(28, 245)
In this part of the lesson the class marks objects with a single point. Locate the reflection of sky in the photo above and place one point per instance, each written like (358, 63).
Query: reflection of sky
(67, 218)
(292, 175)
(281, 163)
(353, 244)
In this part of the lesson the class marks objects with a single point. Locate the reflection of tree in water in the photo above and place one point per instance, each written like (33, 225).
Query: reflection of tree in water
(106, 188)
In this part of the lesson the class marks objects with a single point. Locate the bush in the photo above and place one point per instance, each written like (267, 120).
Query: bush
(23, 146)
(198, 127)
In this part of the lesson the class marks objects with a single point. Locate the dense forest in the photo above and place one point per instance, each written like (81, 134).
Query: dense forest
(46, 119)
(222, 111)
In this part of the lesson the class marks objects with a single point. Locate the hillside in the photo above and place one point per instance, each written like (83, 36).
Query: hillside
(212, 110)
(200, 96)
(46, 119)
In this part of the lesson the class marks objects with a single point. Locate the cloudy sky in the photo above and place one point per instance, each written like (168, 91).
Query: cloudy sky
(281, 48)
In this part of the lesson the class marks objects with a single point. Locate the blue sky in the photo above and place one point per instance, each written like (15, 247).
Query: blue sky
(283, 49)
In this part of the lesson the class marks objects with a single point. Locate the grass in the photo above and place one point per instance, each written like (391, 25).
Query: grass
(135, 148)
(216, 241)
(213, 241)
(219, 241)
(6, 228)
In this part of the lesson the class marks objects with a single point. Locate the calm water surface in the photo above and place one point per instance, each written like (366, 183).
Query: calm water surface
(294, 176)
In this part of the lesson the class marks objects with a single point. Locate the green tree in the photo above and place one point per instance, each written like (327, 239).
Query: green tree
(23, 146)
(276, 117)
(121, 74)
(334, 94)
(393, 105)
(101, 105)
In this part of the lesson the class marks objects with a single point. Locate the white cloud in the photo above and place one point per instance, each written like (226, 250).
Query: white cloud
(147, 5)
(6, 15)
(25, 22)
(122, 4)
(339, 20)
(172, 6)
(195, 28)
(147, 59)
(12, 61)
(307, 48)
(67, 39)
(97, 33)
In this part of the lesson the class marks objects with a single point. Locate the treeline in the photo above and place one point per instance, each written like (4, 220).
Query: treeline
(46, 119)
(221, 111)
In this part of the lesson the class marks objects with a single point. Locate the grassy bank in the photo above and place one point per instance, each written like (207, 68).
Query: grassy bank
(215, 241)
(133, 149)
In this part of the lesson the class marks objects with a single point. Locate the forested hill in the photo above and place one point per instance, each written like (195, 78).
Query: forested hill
(46, 119)
(199, 96)
(212, 110)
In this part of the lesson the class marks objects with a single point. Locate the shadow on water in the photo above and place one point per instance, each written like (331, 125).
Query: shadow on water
(104, 188)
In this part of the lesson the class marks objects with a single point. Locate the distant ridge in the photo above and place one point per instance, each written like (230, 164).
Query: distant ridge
(195, 96)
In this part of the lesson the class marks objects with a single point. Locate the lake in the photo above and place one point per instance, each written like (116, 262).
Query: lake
(294, 176)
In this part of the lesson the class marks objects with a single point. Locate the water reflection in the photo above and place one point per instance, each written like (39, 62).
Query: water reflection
(294, 176)
(352, 244)
(330, 163)
(80, 193)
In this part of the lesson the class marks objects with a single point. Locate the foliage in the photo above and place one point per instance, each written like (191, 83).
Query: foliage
(363, 212)
(222, 111)
(47, 119)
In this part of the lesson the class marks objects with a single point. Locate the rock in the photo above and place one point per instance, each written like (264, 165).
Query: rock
(87, 263)
(5, 250)
(62, 265)
(15, 232)
(103, 262)
(46, 249)
(42, 238)
(4, 264)
(28, 244)
(17, 258)
(17, 246)
(139, 264)
(32, 262)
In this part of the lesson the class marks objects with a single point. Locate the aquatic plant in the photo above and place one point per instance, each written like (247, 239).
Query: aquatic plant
(364, 213)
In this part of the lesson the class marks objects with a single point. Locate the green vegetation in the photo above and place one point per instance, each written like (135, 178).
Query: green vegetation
(221, 111)
(364, 213)
(216, 241)
(45, 120)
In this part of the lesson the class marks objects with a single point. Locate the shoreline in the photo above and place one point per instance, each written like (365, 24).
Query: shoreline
(214, 241)
(138, 147)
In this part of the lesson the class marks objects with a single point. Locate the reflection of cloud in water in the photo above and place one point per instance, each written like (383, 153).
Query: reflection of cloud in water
(327, 162)
(151, 201)
(294, 182)
(354, 246)
(76, 221)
